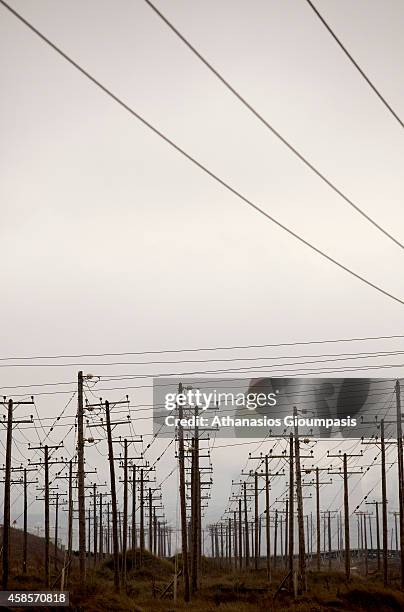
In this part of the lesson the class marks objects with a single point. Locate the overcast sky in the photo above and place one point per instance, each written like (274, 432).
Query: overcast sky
(113, 242)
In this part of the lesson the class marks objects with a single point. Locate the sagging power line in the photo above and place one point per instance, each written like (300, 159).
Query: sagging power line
(206, 170)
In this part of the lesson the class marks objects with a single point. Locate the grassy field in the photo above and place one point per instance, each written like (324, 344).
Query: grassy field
(219, 589)
(226, 591)
(223, 591)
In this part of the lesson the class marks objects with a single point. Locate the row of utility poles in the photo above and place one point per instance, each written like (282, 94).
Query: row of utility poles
(249, 551)
(236, 541)
(114, 532)
(229, 540)
(10, 422)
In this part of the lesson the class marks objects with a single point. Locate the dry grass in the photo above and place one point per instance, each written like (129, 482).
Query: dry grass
(35, 559)
(232, 591)
(220, 590)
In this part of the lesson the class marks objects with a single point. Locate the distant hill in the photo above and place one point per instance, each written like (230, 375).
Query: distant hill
(35, 548)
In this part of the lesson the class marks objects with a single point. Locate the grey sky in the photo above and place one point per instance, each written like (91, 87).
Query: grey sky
(113, 242)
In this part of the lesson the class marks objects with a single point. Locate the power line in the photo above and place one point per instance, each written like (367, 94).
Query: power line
(271, 128)
(301, 371)
(331, 357)
(355, 63)
(369, 412)
(136, 408)
(202, 349)
(342, 356)
(206, 170)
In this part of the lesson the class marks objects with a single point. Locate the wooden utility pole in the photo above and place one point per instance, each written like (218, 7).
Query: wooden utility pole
(195, 503)
(108, 531)
(281, 538)
(300, 512)
(125, 510)
(46, 464)
(70, 519)
(183, 506)
(155, 532)
(7, 485)
(80, 477)
(150, 520)
(344, 474)
(212, 538)
(25, 547)
(201, 538)
(95, 526)
(286, 531)
(88, 534)
(134, 539)
(247, 540)
(291, 514)
(309, 538)
(318, 542)
(267, 524)
(384, 503)
(101, 530)
(346, 521)
(370, 532)
(376, 505)
(400, 477)
(56, 531)
(141, 517)
(256, 518)
(395, 514)
(229, 543)
(7, 496)
(235, 534)
(120, 530)
(113, 498)
(365, 542)
(329, 539)
(276, 539)
(240, 534)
